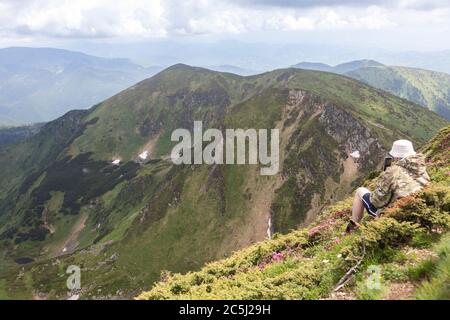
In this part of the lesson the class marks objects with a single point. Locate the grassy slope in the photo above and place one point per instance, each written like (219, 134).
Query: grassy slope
(410, 245)
(426, 88)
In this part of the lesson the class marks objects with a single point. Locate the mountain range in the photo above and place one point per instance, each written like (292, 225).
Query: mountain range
(78, 192)
(429, 89)
(41, 84)
(261, 55)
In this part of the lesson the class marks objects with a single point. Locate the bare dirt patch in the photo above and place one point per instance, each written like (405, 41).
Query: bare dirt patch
(71, 242)
(342, 295)
(400, 291)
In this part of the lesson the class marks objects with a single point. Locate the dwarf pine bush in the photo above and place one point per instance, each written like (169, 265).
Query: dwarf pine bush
(438, 284)
(388, 232)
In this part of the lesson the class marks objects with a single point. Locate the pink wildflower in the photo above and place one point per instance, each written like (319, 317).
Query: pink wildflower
(277, 256)
(314, 231)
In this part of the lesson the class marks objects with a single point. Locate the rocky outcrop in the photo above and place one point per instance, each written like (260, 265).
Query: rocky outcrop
(187, 105)
(351, 135)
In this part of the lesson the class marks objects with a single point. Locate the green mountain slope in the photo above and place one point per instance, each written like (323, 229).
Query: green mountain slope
(427, 88)
(403, 255)
(63, 202)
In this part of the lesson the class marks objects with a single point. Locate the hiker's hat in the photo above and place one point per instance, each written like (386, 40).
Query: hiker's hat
(402, 149)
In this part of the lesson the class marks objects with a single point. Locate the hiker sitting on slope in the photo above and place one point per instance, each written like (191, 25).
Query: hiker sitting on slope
(404, 173)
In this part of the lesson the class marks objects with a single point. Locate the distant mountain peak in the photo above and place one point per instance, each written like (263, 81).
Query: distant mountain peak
(340, 68)
(356, 64)
(233, 69)
(318, 66)
(180, 66)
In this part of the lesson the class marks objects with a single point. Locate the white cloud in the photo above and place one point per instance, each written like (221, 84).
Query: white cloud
(84, 18)
(165, 18)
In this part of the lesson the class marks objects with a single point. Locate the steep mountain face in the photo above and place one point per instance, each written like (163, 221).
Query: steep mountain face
(429, 89)
(64, 202)
(41, 84)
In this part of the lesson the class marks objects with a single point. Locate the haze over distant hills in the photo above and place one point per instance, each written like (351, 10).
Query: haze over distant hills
(427, 88)
(262, 56)
(40, 84)
(233, 69)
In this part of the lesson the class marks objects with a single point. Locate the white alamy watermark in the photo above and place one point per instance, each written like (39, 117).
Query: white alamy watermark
(190, 150)
(73, 282)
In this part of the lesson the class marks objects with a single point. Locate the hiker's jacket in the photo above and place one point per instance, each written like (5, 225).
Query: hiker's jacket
(404, 177)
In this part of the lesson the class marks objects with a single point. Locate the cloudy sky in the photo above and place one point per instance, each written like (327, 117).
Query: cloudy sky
(387, 24)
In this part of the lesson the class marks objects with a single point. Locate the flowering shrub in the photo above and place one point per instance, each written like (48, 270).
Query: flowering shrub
(277, 256)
